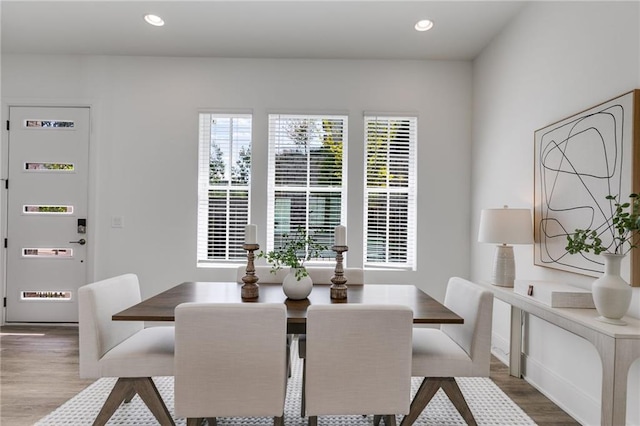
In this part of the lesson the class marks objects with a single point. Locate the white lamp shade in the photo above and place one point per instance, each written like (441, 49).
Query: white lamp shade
(506, 226)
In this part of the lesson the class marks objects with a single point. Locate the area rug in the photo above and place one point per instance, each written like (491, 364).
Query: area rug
(489, 405)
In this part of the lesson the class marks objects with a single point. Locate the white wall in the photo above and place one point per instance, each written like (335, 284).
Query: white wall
(555, 59)
(145, 137)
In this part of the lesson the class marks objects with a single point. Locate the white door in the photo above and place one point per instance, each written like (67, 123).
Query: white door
(47, 227)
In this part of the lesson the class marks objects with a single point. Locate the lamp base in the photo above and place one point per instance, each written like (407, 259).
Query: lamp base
(504, 267)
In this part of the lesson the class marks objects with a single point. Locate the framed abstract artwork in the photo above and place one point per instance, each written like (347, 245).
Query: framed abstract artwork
(579, 161)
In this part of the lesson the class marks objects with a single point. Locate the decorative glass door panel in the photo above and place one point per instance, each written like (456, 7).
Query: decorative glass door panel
(47, 213)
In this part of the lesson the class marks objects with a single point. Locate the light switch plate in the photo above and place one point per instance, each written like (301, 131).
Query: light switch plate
(117, 222)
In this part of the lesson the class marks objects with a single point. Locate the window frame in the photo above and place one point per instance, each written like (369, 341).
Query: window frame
(273, 188)
(410, 191)
(204, 187)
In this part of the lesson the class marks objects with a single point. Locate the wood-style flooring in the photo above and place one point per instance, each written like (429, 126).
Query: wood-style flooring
(39, 372)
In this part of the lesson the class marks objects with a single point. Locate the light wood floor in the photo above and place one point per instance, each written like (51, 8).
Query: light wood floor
(39, 372)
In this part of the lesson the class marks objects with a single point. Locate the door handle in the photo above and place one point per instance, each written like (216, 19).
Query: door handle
(81, 241)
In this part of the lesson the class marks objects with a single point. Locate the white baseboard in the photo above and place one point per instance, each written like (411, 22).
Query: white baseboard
(564, 394)
(42, 324)
(500, 348)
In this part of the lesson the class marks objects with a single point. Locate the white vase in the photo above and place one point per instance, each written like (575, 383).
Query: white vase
(611, 294)
(296, 289)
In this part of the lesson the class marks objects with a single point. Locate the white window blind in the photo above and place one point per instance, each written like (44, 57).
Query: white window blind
(390, 191)
(307, 176)
(224, 175)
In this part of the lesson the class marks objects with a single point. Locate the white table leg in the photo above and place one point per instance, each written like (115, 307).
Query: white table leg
(515, 343)
(616, 355)
(607, 351)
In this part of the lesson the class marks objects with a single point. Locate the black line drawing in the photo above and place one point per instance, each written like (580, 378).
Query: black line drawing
(578, 162)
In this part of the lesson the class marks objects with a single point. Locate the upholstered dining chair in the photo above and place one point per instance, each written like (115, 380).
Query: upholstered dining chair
(358, 361)
(230, 361)
(453, 350)
(322, 276)
(123, 349)
(319, 276)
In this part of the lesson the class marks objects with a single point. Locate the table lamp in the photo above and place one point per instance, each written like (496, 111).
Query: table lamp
(505, 226)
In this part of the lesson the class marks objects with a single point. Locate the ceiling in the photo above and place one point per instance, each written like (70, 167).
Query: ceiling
(255, 29)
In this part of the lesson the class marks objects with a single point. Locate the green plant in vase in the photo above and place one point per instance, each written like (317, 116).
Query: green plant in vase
(296, 248)
(611, 293)
(624, 225)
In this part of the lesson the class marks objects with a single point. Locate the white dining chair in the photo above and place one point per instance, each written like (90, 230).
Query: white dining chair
(322, 276)
(123, 349)
(453, 350)
(358, 361)
(319, 275)
(230, 361)
(263, 273)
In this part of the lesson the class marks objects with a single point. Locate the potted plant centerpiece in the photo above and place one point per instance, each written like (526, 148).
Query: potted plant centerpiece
(295, 250)
(613, 240)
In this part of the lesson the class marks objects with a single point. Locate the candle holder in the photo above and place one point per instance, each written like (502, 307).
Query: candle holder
(339, 286)
(250, 290)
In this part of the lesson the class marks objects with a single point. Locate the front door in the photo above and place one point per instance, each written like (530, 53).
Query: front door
(47, 227)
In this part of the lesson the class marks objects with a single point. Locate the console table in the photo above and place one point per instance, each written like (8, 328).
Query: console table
(618, 346)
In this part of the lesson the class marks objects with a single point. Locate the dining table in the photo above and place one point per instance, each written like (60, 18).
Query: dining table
(161, 307)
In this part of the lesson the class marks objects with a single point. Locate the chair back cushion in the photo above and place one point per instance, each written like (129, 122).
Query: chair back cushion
(475, 305)
(97, 303)
(319, 275)
(264, 274)
(230, 359)
(354, 276)
(358, 359)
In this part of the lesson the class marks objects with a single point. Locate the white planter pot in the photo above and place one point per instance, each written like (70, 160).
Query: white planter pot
(611, 294)
(296, 289)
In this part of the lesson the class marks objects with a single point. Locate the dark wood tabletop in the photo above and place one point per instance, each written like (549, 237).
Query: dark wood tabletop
(161, 307)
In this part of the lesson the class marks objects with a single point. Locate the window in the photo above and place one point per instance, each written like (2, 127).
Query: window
(224, 174)
(307, 176)
(52, 167)
(390, 191)
(49, 253)
(49, 124)
(47, 209)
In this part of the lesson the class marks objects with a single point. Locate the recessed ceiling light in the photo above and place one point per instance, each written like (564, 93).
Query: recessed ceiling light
(424, 25)
(154, 20)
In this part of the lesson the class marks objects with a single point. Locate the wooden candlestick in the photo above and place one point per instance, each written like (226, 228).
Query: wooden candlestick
(339, 286)
(250, 290)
